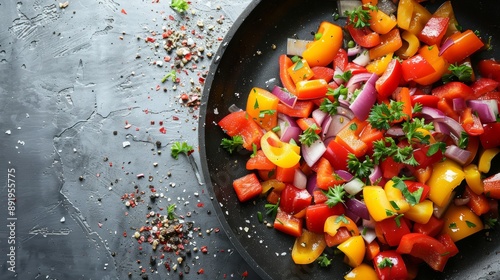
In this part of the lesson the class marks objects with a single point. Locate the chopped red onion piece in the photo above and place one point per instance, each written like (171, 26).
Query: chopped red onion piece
(296, 46)
(376, 175)
(351, 215)
(354, 50)
(461, 201)
(369, 223)
(363, 58)
(369, 234)
(459, 104)
(284, 96)
(313, 153)
(430, 113)
(358, 78)
(319, 116)
(459, 155)
(311, 183)
(453, 128)
(338, 71)
(395, 131)
(447, 43)
(487, 110)
(290, 132)
(345, 175)
(354, 186)
(364, 101)
(300, 179)
(233, 108)
(333, 124)
(357, 207)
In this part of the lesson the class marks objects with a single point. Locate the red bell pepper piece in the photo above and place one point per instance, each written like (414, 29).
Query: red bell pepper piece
(285, 62)
(483, 85)
(489, 68)
(471, 123)
(341, 60)
(489, 138)
(425, 247)
(389, 265)
(453, 90)
(364, 37)
(425, 100)
(392, 230)
(478, 203)
(337, 155)
(322, 72)
(416, 67)
(302, 109)
(434, 30)
(389, 81)
(247, 187)
(260, 162)
(293, 200)
(287, 223)
(492, 186)
(464, 44)
(238, 123)
(326, 175)
(317, 214)
(432, 228)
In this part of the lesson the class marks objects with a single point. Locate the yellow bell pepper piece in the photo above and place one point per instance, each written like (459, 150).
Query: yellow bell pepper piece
(377, 203)
(379, 66)
(473, 179)
(405, 12)
(322, 51)
(445, 177)
(280, 153)
(411, 46)
(274, 184)
(354, 250)
(395, 195)
(460, 222)
(308, 247)
(300, 71)
(421, 212)
(333, 223)
(380, 22)
(362, 272)
(485, 159)
(262, 107)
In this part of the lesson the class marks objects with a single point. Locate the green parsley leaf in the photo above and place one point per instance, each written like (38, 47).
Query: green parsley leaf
(382, 115)
(463, 142)
(180, 148)
(295, 58)
(411, 197)
(309, 136)
(179, 5)
(171, 212)
(232, 144)
(328, 106)
(394, 205)
(346, 76)
(491, 222)
(397, 219)
(389, 213)
(360, 169)
(452, 225)
(324, 261)
(411, 129)
(434, 148)
(386, 262)
(462, 73)
(387, 147)
(358, 17)
(256, 104)
(334, 195)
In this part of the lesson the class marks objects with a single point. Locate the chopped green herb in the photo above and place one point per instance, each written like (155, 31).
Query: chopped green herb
(295, 58)
(389, 213)
(254, 150)
(276, 128)
(272, 209)
(259, 217)
(346, 76)
(172, 74)
(394, 205)
(232, 144)
(382, 115)
(256, 104)
(411, 197)
(470, 224)
(353, 126)
(358, 17)
(309, 136)
(386, 262)
(452, 225)
(462, 73)
(491, 222)
(263, 113)
(179, 5)
(298, 65)
(171, 212)
(397, 219)
(324, 261)
(463, 141)
(434, 148)
(318, 36)
(360, 169)
(364, 231)
(180, 148)
(399, 154)
(336, 16)
(341, 219)
(334, 195)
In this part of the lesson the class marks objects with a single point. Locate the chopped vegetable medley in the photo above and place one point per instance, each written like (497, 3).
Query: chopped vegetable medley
(379, 141)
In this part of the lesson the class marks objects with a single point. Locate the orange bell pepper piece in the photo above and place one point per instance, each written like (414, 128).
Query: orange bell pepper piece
(389, 43)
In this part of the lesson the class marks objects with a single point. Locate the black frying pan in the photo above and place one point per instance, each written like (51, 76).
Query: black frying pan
(248, 60)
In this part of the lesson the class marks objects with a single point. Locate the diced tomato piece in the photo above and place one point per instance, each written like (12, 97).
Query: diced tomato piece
(247, 187)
